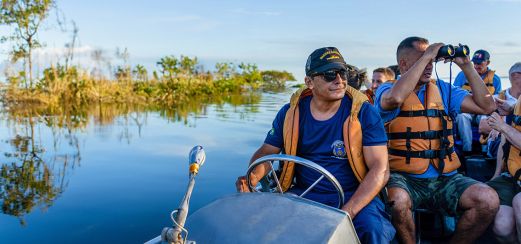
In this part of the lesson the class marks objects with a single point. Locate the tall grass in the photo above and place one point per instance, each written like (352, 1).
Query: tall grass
(178, 81)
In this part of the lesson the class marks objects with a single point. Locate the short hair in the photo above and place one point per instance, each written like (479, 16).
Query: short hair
(515, 68)
(395, 69)
(389, 73)
(407, 44)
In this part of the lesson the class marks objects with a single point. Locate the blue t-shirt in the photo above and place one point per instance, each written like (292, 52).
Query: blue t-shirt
(461, 80)
(458, 95)
(323, 143)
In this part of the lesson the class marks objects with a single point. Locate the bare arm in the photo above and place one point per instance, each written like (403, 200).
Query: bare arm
(484, 128)
(504, 107)
(508, 132)
(260, 171)
(499, 159)
(394, 97)
(376, 159)
(480, 101)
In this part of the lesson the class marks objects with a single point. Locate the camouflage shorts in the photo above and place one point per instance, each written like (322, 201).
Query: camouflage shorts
(440, 194)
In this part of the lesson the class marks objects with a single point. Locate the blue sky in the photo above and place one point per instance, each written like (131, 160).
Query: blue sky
(281, 34)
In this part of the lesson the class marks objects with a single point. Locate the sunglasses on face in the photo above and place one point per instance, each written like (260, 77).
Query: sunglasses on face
(330, 75)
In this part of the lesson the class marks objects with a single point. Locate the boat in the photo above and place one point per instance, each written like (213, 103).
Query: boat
(259, 217)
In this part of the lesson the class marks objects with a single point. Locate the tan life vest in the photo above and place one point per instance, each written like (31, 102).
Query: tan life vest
(502, 95)
(488, 80)
(370, 95)
(513, 156)
(352, 133)
(420, 135)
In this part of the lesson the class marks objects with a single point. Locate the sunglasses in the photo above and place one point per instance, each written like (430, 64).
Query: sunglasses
(330, 75)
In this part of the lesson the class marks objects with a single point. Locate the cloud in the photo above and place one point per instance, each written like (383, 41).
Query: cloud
(62, 51)
(256, 13)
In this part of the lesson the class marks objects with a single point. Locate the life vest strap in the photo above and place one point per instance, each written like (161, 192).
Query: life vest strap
(429, 154)
(426, 135)
(486, 84)
(423, 113)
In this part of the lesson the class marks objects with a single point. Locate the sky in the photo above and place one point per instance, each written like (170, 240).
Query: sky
(277, 34)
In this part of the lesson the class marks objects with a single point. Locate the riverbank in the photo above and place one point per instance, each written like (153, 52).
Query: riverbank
(170, 87)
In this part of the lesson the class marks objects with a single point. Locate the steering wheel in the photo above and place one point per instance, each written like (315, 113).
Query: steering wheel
(300, 161)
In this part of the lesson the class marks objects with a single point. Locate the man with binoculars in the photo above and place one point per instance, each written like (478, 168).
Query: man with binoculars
(423, 164)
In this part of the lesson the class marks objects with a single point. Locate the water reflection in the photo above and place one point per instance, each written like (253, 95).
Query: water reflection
(29, 176)
(41, 147)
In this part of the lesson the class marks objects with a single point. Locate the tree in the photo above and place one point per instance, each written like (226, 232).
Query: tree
(225, 70)
(140, 73)
(169, 66)
(188, 65)
(276, 78)
(26, 16)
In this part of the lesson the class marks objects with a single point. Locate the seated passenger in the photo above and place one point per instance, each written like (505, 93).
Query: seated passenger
(355, 76)
(380, 75)
(314, 126)
(481, 60)
(505, 102)
(508, 168)
(421, 155)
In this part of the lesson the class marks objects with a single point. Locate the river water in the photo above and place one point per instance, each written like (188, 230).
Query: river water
(114, 174)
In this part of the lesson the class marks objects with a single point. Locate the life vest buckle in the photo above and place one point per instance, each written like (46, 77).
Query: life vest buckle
(430, 153)
(431, 113)
(442, 154)
(431, 134)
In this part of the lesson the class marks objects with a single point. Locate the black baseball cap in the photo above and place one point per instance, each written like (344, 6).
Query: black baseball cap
(324, 59)
(480, 56)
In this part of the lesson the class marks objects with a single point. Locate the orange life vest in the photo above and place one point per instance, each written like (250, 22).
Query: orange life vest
(421, 135)
(352, 133)
(370, 95)
(489, 82)
(512, 154)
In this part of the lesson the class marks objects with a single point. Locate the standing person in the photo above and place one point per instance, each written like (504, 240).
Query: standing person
(507, 223)
(421, 155)
(380, 75)
(481, 60)
(318, 118)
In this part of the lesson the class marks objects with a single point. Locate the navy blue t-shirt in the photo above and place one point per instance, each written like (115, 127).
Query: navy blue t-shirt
(323, 143)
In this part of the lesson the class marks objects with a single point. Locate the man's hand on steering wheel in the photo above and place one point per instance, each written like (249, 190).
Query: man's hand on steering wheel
(241, 184)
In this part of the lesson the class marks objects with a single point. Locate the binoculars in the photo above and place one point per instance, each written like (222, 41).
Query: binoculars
(451, 52)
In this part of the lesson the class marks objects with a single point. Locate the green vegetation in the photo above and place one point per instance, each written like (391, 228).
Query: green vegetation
(177, 80)
(26, 16)
(67, 97)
